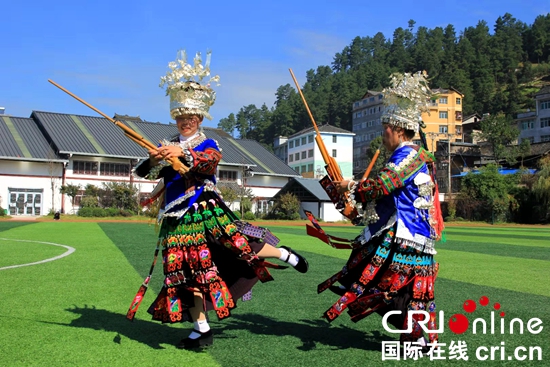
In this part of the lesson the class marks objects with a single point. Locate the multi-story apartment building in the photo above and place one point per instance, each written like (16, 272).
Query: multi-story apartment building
(367, 126)
(443, 122)
(535, 125)
(444, 119)
(305, 157)
(280, 148)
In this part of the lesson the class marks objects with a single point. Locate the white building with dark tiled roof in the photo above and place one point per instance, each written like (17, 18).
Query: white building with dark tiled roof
(40, 154)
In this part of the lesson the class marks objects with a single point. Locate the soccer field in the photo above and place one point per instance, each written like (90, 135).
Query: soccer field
(66, 287)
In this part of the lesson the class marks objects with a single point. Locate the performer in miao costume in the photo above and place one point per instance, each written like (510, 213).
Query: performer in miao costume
(209, 257)
(392, 265)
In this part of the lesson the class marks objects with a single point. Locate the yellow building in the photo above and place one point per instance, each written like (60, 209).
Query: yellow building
(444, 119)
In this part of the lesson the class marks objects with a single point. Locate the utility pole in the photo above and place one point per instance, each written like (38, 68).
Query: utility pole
(432, 137)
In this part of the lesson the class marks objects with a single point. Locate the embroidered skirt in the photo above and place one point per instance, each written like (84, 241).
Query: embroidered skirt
(384, 275)
(204, 251)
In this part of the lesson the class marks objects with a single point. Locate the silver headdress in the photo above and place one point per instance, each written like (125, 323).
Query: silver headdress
(184, 84)
(406, 99)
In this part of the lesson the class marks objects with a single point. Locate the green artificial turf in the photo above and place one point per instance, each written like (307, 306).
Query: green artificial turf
(71, 312)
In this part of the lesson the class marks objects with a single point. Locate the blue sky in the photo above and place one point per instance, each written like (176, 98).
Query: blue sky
(112, 53)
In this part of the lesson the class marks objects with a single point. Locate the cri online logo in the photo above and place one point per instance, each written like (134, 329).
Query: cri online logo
(459, 323)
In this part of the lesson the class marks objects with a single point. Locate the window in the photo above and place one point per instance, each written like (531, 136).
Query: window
(310, 139)
(458, 115)
(304, 140)
(114, 169)
(458, 101)
(334, 153)
(310, 167)
(291, 144)
(304, 168)
(443, 100)
(545, 105)
(78, 197)
(296, 156)
(545, 122)
(334, 138)
(459, 129)
(443, 114)
(291, 158)
(297, 143)
(304, 154)
(310, 153)
(297, 169)
(85, 168)
(443, 129)
(227, 175)
(528, 125)
(371, 99)
(544, 138)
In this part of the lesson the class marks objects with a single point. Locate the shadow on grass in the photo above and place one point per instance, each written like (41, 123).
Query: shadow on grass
(155, 334)
(309, 332)
(151, 333)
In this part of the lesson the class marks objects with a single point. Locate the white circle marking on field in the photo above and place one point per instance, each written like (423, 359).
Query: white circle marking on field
(69, 251)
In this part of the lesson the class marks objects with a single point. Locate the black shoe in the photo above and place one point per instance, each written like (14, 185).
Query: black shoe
(204, 340)
(302, 265)
(337, 290)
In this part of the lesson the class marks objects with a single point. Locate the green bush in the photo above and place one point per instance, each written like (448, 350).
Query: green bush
(112, 212)
(126, 213)
(89, 202)
(2, 212)
(249, 216)
(98, 212)
(86, 212)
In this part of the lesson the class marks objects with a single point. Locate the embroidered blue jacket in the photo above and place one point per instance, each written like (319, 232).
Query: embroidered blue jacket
(402, 193)
(202, 156)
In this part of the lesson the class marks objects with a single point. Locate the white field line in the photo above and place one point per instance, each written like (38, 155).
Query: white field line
(69, 251)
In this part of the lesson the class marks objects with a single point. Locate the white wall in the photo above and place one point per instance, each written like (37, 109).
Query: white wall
(330, 214)
(325, 211)
(36, 175)
(31, 175)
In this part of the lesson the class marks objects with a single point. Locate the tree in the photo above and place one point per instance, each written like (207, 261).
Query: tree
(541, 188)
(229, 195)
(523, 149)
(537, 39)
(287, 206)
(71, 191)
(285, 111)
(499, 132)
(52, 170)
(487, 195)
(120, 195)
(398, 57)
(91, 197)
(228, 124)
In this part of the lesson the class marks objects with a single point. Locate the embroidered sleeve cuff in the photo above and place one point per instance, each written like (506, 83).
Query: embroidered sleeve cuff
(369, 190)
(205, 162)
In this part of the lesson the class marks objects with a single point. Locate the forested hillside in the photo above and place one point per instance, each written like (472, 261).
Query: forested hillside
(497, 68)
